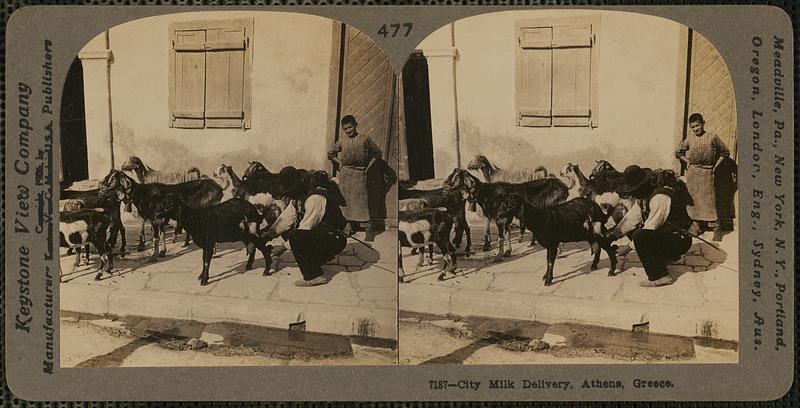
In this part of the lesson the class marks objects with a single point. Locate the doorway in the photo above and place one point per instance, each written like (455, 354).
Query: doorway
(74, 157)
(417, 106)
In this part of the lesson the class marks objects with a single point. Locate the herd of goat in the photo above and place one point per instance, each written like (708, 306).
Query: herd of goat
(222, 208)
(569, 207)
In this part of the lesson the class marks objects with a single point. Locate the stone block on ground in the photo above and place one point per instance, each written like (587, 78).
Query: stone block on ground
(510, 305)
(423, 298)
(697, 260)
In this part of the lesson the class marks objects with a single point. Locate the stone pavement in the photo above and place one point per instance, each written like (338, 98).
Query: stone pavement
(360, 300)
(704, 300)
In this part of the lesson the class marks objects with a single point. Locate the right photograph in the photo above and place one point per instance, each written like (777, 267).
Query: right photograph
(568, 193)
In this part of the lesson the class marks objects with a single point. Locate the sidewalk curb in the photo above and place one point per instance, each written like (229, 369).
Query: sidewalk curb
(664, 319)
(322, 318)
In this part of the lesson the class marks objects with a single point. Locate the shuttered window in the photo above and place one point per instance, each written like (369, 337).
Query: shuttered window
(210, 74)
(555, 66)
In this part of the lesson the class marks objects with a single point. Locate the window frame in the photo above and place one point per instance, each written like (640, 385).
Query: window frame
(247, 25)
(594, 108)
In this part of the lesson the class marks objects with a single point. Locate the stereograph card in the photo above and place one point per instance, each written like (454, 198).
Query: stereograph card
(399, 203)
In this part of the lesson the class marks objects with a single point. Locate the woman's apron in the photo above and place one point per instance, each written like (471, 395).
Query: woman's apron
(353, 183)
(700, 182)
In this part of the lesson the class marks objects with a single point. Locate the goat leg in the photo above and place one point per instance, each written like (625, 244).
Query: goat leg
(468, 249)
(430, 254)
(596, 253)
(487, 236)
(266, 251)
(156, 237)
(251, 255)
(77, 256)
(501, 243)
(275, 258)
(507, 253)
(163, 251)
(123, 243)
(207, 253)
(86, 248)
(401, 274)
(551, 260)
(140, 246)
(611, 250)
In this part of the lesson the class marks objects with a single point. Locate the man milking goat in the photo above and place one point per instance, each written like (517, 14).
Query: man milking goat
(312, 222)
(656, 222)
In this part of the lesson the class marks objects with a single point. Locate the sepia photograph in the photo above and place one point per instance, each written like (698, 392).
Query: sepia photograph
(228, 194)
(567, 193)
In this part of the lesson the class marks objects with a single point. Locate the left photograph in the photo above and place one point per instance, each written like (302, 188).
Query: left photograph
(229, 195)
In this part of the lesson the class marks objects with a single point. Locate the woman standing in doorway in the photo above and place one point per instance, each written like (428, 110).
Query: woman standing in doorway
(354, 154)
(702, 153)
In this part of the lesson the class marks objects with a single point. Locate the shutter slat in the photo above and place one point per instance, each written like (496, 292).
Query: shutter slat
(188, 88)
(535, 112)
(534, 82)
(218, 114)
(572, 36)
(225, 45)
(572, 75)
(571, 112)
(225, 78)
(188, 114)
(189, 47)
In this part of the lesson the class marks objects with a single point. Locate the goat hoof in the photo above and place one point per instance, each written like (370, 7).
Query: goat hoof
(203, 283)
(266, 273)
(98, 276)
(548, 283)
(162, 253)
(441, 277)
(152, 259)
(486, 247)
(248, 266)
(507, 253)
(593, 266)
(140, 247)
(611, 273)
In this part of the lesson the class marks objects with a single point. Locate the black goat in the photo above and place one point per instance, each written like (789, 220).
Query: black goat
(147, 174)
(577, 220)
(147, 198)
(261, 187)
(82, 227)
(104, 198)
(542, 193)
(423, 227)
(231, 221)
(447, 198)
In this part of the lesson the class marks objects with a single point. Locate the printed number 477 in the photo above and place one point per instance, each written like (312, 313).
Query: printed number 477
(392, 30)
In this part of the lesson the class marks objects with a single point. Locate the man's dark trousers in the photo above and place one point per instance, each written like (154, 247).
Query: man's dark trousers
(657, 249)
(313, 248)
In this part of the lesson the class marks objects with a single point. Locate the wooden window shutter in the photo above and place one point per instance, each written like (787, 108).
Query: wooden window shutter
(225, 77)
(188, 79)
(534, 77)
(572, 58)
